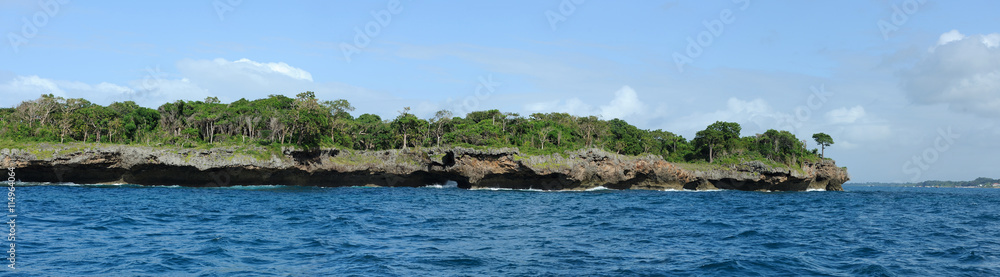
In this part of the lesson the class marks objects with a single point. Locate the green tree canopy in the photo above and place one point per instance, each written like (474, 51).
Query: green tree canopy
(823, 140)
(310, 122)
(718, 135)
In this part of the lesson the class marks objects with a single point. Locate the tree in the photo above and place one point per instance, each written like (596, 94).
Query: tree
(69, 121)
(823, 140)
(625, 138)
(440, 121)
(309, 119)
(97, 117)
(406, 125)
(340, 118)
(40, 109)
(592, 128)
(339, 107)
(719, 134)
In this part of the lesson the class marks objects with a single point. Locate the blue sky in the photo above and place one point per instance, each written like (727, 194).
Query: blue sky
(914, 97)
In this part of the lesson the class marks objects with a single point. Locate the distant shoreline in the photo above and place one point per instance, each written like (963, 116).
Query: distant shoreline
(916, 186)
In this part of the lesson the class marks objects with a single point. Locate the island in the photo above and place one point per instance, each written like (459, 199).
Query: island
(981, 182)
(306, 142)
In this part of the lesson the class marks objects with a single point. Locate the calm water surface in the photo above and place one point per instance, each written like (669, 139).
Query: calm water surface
(68, 230)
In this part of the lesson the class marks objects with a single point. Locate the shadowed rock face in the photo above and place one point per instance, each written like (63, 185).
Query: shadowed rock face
(497, 168)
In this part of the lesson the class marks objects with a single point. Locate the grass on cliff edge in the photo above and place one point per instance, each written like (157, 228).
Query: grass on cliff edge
(50, 149)
(353, 157)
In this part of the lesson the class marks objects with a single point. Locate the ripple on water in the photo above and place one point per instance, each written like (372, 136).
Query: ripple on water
(282, 231)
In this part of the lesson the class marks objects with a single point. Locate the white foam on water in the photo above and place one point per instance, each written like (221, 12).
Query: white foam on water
(256, 187)
(446, 185)
(815, 190)
(707, 190)
(491, 189)
(597, 188)
(510, 189)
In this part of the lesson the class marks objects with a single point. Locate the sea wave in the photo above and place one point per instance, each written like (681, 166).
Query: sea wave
(414, 232)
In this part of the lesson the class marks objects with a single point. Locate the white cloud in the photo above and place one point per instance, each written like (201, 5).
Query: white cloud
(197, 80)
(962, 72)
(755, 116)
(573, 106)
(245, 78)
(250, 79)
(278, 67)
(992, 40)
(845, 115)
(626, 103)
(950, 36)
(867, 132)
(31, 86)
(160, 91)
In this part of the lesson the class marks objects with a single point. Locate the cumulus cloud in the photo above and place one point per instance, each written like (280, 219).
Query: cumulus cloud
(845, 115)
(962, 72)
(856, 126)
(755, 115)
(573, 106)
(31, 85)
(625, 104)
(950, 36)
(280, 67)
(197, 79)
(231, 80)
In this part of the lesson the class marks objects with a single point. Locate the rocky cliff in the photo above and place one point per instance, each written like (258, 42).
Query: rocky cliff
(497, 168)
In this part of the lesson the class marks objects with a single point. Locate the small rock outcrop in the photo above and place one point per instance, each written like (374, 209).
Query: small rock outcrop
(470, 168)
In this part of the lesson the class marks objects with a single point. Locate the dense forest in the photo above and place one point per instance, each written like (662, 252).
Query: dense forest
(309, 122)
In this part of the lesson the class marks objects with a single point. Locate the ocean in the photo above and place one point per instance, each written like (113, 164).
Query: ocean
(128, 230)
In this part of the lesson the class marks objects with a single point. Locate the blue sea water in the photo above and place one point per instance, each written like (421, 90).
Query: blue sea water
(130, 230)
